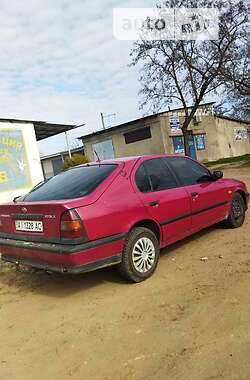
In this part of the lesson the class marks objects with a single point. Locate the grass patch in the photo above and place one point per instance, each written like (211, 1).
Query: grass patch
(230, 160)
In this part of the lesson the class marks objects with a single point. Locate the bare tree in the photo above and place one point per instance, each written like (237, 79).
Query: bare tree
(240, 105)
(187, 72)
(237, 78)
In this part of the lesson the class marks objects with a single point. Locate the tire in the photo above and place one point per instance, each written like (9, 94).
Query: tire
(140, 255)
(237, 212)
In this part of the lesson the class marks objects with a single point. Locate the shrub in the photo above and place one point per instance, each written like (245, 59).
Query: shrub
(76, 159)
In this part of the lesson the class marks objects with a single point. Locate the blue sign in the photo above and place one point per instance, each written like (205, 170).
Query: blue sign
(14, 168)
(178, 144)
(200, 142)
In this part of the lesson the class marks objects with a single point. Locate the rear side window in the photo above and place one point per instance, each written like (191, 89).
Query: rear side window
(142, 180)
(159, 174)
(188, 171)
(74, 183)
(154, 175)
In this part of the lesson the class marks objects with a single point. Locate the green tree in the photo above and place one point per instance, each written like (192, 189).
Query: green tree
(76, 159)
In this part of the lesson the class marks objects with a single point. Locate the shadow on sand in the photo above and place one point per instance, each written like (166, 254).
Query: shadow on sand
(63, 285)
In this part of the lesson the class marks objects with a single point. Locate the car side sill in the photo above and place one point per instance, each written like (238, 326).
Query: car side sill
(168, 221)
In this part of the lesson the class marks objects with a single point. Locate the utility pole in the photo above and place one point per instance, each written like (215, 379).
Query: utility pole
(67, 142)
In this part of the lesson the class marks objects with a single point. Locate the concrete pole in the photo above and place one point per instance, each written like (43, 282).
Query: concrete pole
(67, 142)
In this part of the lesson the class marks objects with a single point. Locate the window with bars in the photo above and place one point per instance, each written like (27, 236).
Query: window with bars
(137, 135)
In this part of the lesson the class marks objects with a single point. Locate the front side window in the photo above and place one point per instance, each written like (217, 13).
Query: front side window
(158, 175)
(189, 172)
(74, 183)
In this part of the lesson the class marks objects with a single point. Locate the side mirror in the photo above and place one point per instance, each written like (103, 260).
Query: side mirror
(217, 174)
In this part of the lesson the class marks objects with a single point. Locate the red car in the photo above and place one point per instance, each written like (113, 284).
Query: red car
(117, 212)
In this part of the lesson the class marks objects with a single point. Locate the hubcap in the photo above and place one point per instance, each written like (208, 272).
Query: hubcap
(143, 255)
(236, 209)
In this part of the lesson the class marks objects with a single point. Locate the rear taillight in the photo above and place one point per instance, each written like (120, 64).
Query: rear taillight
(71, 225)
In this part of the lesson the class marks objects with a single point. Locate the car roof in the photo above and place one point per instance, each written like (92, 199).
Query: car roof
(122, 160)
(134, 158)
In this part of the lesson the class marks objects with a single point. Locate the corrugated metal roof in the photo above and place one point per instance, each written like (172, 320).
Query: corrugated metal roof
(101, 131)
(43, 129)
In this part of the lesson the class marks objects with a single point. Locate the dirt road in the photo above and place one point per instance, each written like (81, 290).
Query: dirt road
(190, 321)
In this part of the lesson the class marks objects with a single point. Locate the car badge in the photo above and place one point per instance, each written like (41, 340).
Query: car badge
(24, 209)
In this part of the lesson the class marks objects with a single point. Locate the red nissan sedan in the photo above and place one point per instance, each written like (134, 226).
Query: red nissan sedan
(120, 211)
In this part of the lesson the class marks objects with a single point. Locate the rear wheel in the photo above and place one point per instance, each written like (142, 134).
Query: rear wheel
(237, 212)
(140, 255)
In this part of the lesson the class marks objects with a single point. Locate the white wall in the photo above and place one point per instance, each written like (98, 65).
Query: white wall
(32, 156)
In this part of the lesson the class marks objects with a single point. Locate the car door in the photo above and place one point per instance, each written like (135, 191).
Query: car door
(209, 197)
(165, 201)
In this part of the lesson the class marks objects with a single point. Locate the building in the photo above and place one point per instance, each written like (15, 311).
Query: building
(211, 136)
(20, 166)
(53, 164)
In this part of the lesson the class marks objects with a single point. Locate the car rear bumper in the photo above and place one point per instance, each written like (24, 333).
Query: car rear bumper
(64, 268)
(64, 258)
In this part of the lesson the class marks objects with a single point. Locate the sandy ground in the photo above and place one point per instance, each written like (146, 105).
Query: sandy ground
(190, 321)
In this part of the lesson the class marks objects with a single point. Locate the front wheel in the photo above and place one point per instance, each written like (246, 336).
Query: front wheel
(236, 216)
(140, 255)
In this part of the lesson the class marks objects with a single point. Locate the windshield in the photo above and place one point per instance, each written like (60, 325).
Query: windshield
(74, 183)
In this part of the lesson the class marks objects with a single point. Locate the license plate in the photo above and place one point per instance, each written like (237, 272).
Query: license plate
(29, 225)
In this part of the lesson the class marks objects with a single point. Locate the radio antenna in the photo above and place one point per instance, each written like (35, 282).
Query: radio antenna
(98, 158)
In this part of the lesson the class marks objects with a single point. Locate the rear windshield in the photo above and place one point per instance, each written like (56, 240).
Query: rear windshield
(74, 183)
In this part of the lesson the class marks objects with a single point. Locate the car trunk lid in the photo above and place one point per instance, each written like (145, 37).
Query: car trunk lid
(36, 221)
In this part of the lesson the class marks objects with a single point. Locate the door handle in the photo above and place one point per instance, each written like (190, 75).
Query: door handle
(153, 203)
(194, 194)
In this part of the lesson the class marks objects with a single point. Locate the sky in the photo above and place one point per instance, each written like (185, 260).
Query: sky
(61, 63)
